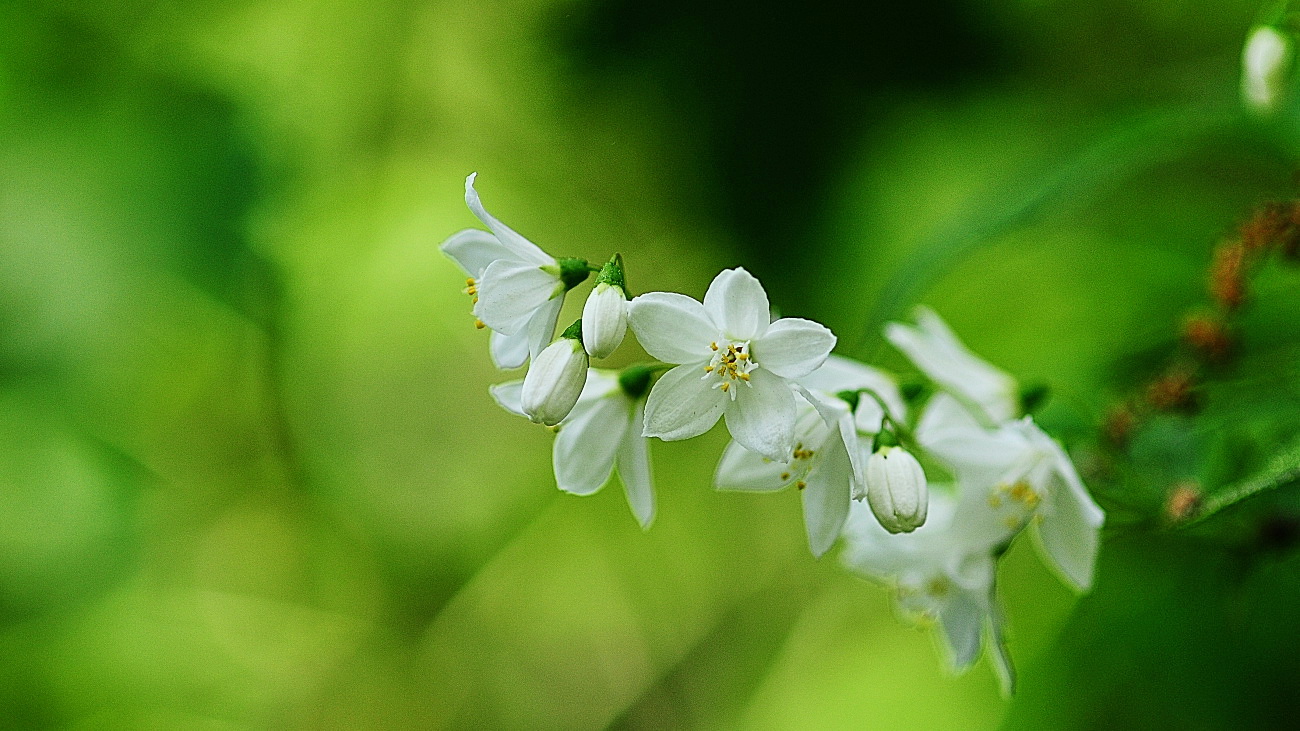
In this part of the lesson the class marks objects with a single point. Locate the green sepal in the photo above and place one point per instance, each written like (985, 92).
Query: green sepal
(612, 273)
(574, 331)
(851, 398)
(635, 380)
(886, 438)
(1032, 397)
(573, 271)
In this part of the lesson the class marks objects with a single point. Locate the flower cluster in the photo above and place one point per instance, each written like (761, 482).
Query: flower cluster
(836, 430)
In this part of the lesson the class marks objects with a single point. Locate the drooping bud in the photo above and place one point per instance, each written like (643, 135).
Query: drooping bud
(555, 379)
(605, 313)
(1266, 64)
(896, 490)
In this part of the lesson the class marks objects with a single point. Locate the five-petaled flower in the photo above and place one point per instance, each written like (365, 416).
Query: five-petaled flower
(518, 289)
(733, 360)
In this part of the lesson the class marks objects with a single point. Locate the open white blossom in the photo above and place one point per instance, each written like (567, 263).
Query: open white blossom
(1025, 477)
(733, 360)
(516, 286)
(819, 465)
(943, 571)
(1266, 63)
(933, 347)
(602, 431)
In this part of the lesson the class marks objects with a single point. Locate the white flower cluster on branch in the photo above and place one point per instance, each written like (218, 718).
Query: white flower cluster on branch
(836, 430)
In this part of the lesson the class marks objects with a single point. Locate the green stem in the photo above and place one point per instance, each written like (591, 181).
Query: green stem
(1282, 471)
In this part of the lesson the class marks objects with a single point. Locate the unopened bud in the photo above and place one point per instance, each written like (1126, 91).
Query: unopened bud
(555, 379)
(896, 490)
(604, 319)
(1266, 63)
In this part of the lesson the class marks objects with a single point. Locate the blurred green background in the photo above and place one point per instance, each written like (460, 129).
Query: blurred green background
(250, 476)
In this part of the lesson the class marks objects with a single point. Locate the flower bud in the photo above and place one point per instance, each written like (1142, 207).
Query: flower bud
(1266, 63)
(896, 490)
(555, 379)
(604, 320)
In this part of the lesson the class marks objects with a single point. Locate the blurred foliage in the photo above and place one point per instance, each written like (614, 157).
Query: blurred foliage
(249, 473)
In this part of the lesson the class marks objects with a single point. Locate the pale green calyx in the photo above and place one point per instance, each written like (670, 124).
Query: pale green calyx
(897, 490)
(555, 379)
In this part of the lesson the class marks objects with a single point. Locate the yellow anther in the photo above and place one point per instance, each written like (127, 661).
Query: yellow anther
(800, 485)
(743, 376)
(708, 369)
(937, 587)
(470, 282)
(471, 289)
(725, 386)
(1012, 522)
(742, 356)
(995, 501)
(785, 476)
(713, 346)
(479, 324)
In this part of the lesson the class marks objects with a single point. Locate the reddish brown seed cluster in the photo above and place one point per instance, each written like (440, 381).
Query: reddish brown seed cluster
(1228, 275)
(1172, 391)
(1208, 335)
(1119, 424)
(1183, 502)
(1274, 225)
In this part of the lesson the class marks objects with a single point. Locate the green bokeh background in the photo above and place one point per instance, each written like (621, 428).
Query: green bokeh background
(250, 476)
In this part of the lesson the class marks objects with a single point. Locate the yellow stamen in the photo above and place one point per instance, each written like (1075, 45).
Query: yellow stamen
(742, 356)
(785, 475)
(713, 346)
(708, 369)
(725, 386)
(743, 376)
(479, 324)
(800, 485)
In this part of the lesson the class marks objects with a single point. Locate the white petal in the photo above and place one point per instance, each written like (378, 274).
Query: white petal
(683, 405)
(634, 469)
(844, 374)
(950, 433)
(1000, 654)
(520, 248)
(508, 351)
(737, 304)
(837, 416)
(508, 396)
(741, 469)
(671, 327)
(588, 443)
(1070, 527)
(792, 347)
(541, 327)
(962, 618)
(762, 416)
(473, 249)
(826, 499)
(940, 355)
(510, 292)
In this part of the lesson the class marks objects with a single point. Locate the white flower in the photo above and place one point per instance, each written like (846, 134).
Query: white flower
(602, 430)
(604, 319)
(555, 380)
(1266, 62)
(1022, 474)
(942, 571)
(896, 490)
(819, 465)
(733, 360)
(942, 357)
(517, 287)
